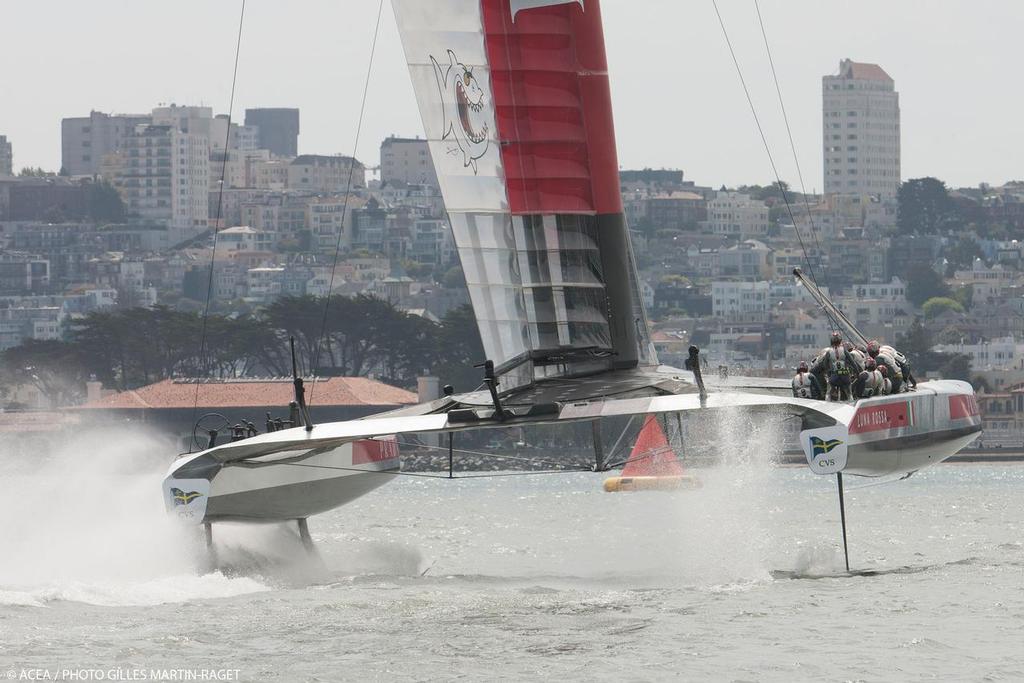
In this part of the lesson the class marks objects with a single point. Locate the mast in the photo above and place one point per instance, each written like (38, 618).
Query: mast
(831, 310)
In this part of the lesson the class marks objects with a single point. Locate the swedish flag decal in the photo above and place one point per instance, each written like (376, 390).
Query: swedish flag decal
(820, 447)
(183, 497)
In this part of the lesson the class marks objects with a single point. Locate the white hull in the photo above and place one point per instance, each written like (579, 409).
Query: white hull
(281, 486)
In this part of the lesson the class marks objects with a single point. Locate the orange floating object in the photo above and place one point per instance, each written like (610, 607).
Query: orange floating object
(652, 464)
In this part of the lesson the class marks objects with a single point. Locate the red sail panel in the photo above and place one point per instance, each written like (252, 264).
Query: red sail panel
(652, 455)
(553, 106)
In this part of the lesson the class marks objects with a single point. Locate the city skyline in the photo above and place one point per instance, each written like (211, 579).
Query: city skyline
(679, 81)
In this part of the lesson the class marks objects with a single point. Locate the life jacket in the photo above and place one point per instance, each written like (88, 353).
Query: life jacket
(896, 355)
(837, 360)
(889, 361)
(802, 386)
(858, 357)
(874, 383)
(886, 386)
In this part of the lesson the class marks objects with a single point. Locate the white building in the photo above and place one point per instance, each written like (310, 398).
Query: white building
(264, 284)
(407, 160)
(329, 218)
(162, 174)
(195, 120)
(20, 324)
(861, 131)
(1004, 353)
(894, 290)
(988, 284)
(245, 238)
(740, 299)
(319, 173)
(737, 214)
(750, 260)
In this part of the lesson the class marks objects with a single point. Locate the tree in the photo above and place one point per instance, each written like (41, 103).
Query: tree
(454, 278)
(917, 344)
(961, 254)
(925, 207)
(34, 172)
(105, 204)
(54, 367)
(955, 366)
(923, 283)
(459, 349)
(964, 295)
(938, 305)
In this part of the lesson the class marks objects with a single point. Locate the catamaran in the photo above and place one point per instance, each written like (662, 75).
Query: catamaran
(516, 105)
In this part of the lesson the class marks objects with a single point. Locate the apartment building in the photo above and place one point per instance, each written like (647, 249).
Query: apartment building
(6, 156)
(87, 140)
(162, 173)
(861, 131)
(407, 160)
(737, 215)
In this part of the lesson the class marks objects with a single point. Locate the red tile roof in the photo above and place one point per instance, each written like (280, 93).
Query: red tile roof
(862, 71)
(329, 391)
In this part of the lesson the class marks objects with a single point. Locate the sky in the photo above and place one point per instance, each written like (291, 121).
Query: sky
(677, 99)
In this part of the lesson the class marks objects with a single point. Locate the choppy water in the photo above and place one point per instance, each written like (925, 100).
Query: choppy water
(524, 577)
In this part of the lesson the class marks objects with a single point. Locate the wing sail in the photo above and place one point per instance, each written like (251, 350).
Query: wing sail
(516, 107)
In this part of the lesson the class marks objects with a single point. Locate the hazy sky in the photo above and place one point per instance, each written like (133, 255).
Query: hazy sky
(677, 99)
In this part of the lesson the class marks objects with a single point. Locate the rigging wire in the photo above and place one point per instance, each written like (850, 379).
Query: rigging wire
(767, 149)
(792, 145)
(220, 209)
(344, 208)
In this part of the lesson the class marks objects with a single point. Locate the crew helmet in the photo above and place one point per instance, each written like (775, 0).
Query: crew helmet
(837, 339)
(870, 364)
(802, 367)
(873, 348)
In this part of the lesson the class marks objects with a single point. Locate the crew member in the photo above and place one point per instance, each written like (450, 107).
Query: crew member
(870, 382)
(806, 385)
(909, 382)
(857, 355)
(836, 364)
(887, 360)
(886, 382)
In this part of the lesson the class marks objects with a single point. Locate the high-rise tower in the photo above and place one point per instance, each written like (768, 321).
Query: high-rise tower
(861, 131)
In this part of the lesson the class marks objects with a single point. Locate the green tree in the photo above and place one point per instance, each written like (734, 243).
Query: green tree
(923, 283)
(961, 254)
(105, 204)
(34, 172)
(964, 295)
(54, 367)
(459, 349)
(925, 207)
(938, 305)
(955, 366)
(454, 278)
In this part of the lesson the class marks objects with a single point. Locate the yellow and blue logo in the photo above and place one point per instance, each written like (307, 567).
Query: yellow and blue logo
(183, 497)
(821, 447)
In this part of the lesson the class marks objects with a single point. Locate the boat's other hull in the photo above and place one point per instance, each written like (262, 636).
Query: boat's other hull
(288, 485)
(897, 434)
